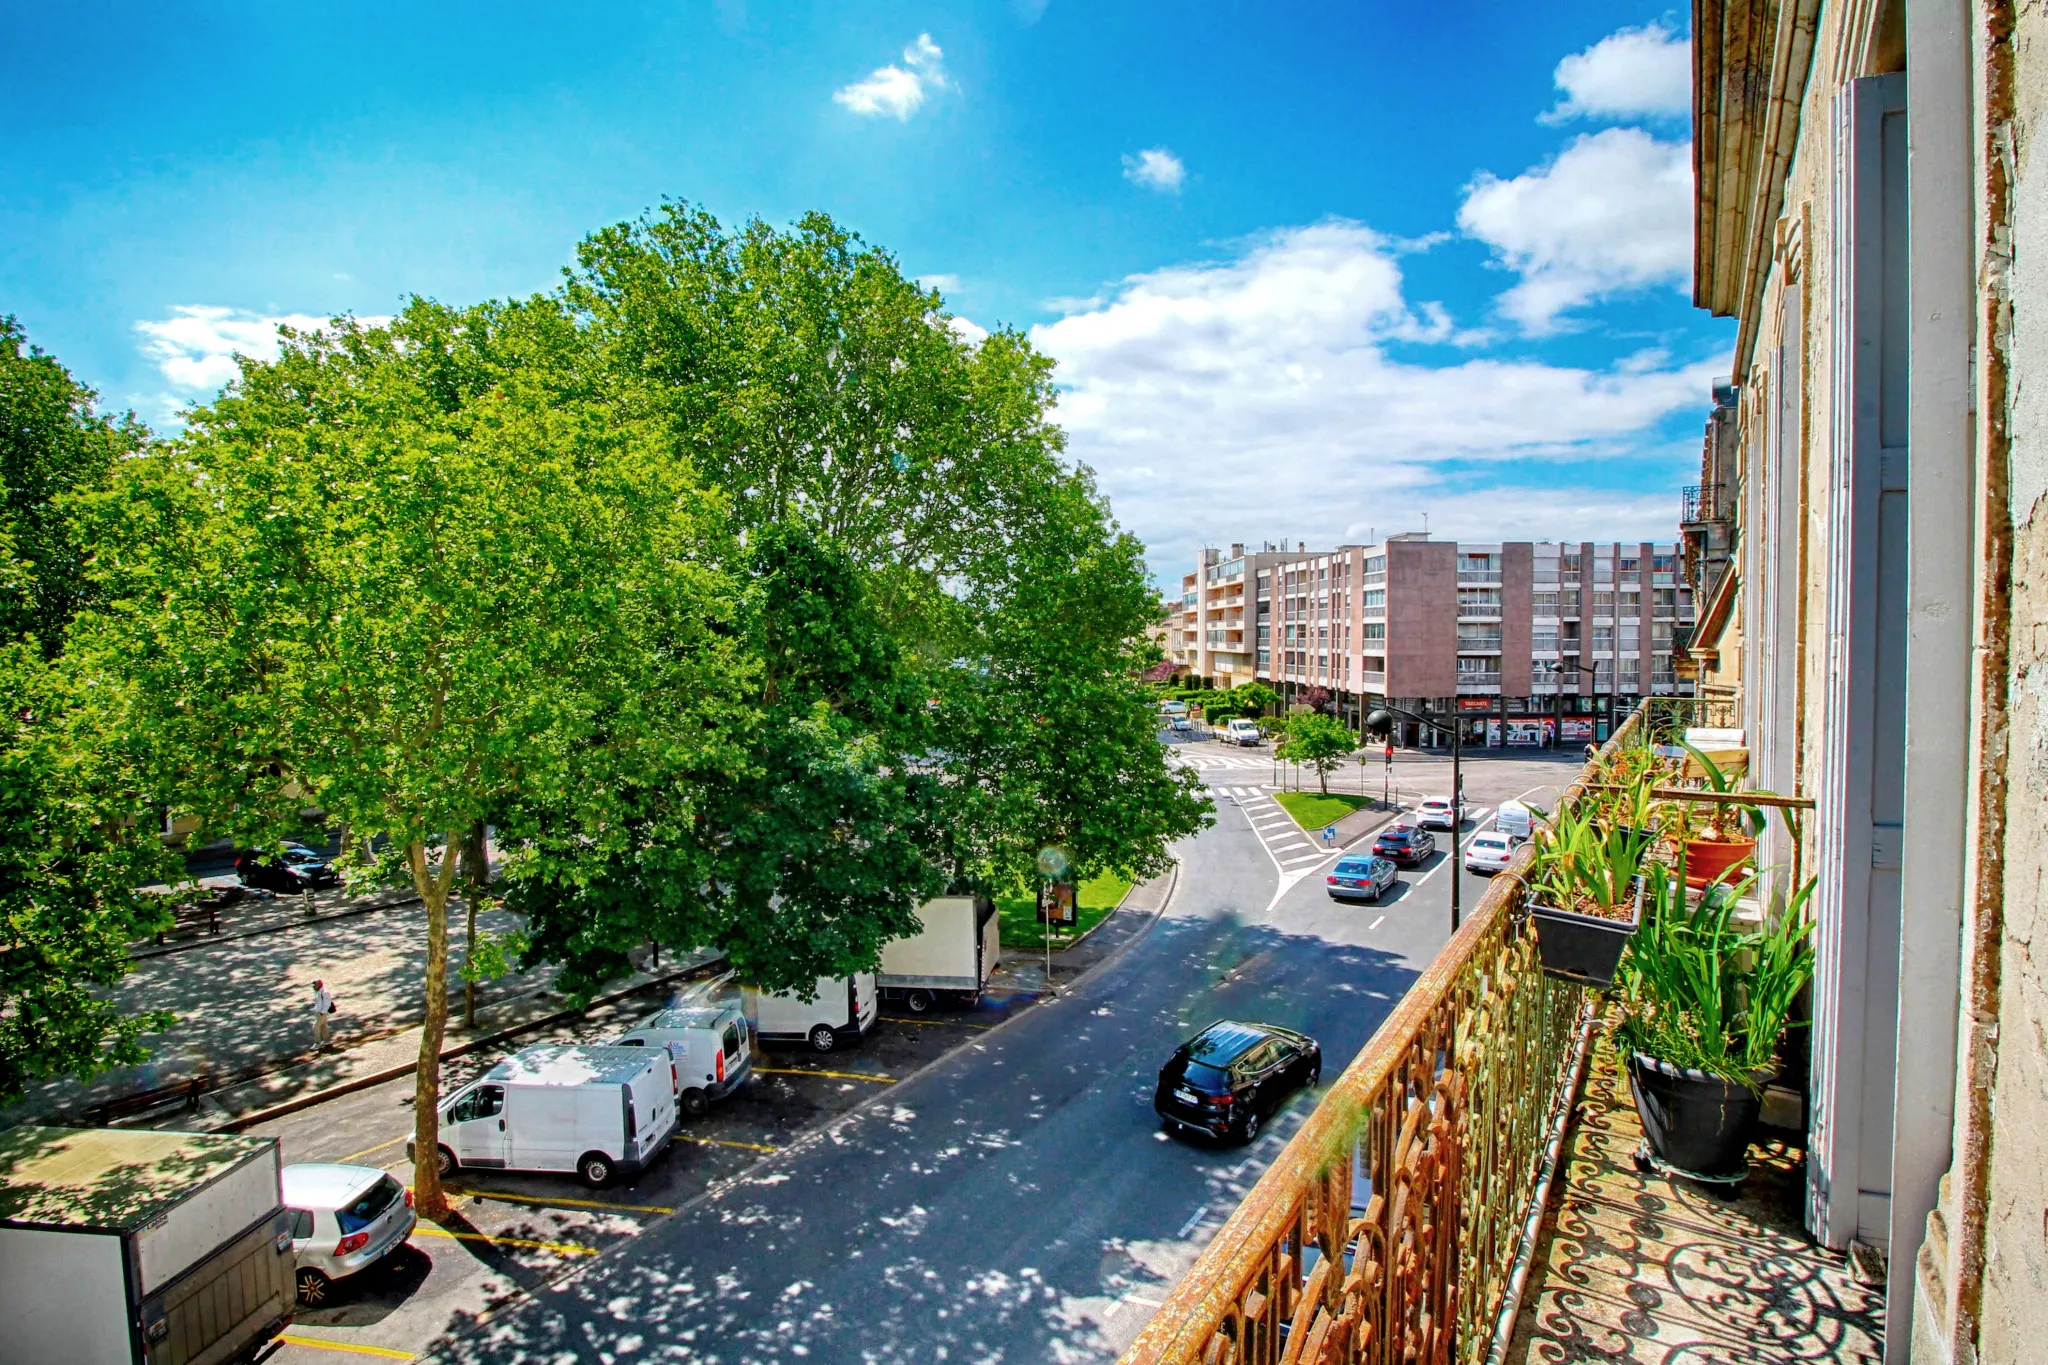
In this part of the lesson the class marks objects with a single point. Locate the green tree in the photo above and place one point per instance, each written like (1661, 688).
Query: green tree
(1319, 741)
(802, 858)
(52, 444)
(407, 575)
(77, 845)
(1246, 699)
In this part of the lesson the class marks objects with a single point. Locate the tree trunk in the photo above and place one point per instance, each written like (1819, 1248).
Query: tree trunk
(426, 1119)
(1323, 778)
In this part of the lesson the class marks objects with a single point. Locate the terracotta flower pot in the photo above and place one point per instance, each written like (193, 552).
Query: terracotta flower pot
(1707, 859)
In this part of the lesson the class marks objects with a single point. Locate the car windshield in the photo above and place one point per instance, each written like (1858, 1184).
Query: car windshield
(1354, 869)
(1210, 1080)
(369, 1206)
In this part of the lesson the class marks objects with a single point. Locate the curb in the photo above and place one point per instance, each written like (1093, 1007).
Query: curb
(1118, 909)
(804, 1141)
(392, 1073)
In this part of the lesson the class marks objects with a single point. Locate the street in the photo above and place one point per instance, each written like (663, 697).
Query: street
(974, 1187)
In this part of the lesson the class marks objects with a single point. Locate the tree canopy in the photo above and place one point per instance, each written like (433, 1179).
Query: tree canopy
(1319, 741)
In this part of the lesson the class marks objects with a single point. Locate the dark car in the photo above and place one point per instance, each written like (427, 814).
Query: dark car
(292, 870)
(1228, 1078)
(1360, 879)
(1405, 844)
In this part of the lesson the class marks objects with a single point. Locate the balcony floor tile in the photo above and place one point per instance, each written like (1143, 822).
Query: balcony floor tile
(1634, 1267)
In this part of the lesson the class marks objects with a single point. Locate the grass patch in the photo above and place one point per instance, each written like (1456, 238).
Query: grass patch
(1022, 933)
(1312, 811)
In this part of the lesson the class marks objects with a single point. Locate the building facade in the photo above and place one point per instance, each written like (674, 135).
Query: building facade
(1509, 637)
(1870, 542)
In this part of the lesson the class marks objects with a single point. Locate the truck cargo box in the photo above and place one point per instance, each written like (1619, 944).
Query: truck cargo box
(140, 1247)
(959, 944)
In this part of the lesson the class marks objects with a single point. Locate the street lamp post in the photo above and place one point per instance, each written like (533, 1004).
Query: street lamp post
(1381, 723)
(1559, 666)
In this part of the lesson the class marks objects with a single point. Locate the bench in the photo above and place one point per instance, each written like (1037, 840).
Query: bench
(189, 1090)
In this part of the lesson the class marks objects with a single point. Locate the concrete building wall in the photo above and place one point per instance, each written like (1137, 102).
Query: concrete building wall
(1422, 619)
(1517, 581)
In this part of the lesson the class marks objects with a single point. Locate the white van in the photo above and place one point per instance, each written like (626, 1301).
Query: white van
(710, 1046)
(598, 1111)
(842, 1011)
(1515, 820)
(1242, 730)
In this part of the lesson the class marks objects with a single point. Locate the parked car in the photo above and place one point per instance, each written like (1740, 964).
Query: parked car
(597, 1111)
(711, 1045)
(1181, 724)
(1229, 1078)
(1435, 813)
(1406, 844)
(344, 1220)
(1242, 731)
(291, 870)
(1173, 708)
(1360, 879)
(840, 1011)
(1489, 851)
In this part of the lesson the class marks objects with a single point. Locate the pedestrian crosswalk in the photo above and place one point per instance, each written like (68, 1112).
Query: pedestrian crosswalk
(1292, 848)
(1238, 792)
(1217, 762)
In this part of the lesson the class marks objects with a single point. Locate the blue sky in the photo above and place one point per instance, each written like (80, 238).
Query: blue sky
(1310, 270)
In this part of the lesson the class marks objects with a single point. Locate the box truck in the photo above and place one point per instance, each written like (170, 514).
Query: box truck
(140, 1247)
(840, 1010)
(598, 1111)
(950, 957)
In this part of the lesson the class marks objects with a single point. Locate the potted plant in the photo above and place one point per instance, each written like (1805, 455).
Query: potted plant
(1585, 895)
(1701, 1006)
(1721, 844)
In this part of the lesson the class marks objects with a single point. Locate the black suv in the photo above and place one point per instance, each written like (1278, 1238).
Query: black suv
(1405, 844)
(292, 870)
(1226, 1079)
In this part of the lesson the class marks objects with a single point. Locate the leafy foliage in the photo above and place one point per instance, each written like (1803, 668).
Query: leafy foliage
(75, 845)
(1246, 699)
(52, 445)
(1320, 742)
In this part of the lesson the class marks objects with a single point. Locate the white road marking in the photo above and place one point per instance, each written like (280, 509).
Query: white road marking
(1197, 1216)
(1376, 924)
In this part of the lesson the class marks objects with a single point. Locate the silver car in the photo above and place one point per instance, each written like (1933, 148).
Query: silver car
(344, 1219)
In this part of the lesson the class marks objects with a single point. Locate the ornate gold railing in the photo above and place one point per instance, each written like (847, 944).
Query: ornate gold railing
(1389, 1228)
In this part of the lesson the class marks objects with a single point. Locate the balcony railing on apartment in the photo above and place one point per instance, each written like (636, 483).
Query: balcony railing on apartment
(1478, 575)
(1473, 683)
(1704, 502)
(1395, 1224)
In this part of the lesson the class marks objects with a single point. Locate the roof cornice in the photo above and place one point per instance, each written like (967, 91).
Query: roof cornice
(1750, 63)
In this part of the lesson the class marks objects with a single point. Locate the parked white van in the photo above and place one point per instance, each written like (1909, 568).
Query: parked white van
(598, 1111)
(1515, 820)
(710, 1045)
(842, 1011)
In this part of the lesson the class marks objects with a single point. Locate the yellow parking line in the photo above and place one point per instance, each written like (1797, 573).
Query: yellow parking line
(835, 1075)
(727, 1142)
(357, 1156)
(937, 1023)
(551, 1200)
(382, 1352)
(563, 1248)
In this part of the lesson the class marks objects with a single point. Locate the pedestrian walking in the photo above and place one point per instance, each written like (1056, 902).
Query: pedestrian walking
(323, 1005)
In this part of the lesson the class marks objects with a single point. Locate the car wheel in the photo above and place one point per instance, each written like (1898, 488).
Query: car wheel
(1248, 1131)
(314, 1287)
(919, 1002)
(695, 1102)
(824, 1038)
(445, 1162)
(595, 1168)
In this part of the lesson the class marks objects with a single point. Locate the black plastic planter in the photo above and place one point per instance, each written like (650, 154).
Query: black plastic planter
(1582, 948)
(1698, 1124)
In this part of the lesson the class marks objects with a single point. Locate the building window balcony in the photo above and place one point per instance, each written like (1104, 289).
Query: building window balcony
(1472, 684)
(1468, 576)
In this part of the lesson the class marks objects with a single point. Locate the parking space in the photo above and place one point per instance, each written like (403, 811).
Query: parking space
(510, 1231)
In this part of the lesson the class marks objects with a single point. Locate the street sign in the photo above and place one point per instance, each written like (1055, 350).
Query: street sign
(1329, 834)
(1056, 903)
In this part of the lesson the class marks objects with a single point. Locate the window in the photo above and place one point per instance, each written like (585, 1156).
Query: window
(302, 1223)
(1480, 597)
(1376, 564)
(370, 1205)
(1603, 602)
(1374, 597)
(1544, 603)
(480, 1103)
(1568, 563)
(1571, 601)
(1663, 563)
(1466, 665)
(1374, 630)
(1630, 564)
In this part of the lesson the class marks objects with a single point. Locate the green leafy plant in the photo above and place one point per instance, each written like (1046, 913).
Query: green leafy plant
(1590, 865)
(1696, 990)
(1714, 826)
(1317, 741)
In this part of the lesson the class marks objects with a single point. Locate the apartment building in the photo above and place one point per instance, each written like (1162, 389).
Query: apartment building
(1509, 636)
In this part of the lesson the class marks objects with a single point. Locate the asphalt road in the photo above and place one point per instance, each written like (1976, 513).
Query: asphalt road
(1016, 1200)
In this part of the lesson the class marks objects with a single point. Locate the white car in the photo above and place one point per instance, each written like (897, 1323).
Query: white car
(344, 1219)
(1241, 731)
(1489, 852)
(1173, 708)
(1435, 813)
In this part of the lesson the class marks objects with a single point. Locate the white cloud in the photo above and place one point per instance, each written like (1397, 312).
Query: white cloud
(1156, 169)
(970, 332)
(1613, 212)
(898, 91)
(945, 284)
(1637, 72)
(1263, 389)
(195, 347)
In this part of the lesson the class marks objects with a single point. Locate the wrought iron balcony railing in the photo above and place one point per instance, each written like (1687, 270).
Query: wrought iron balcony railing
(1396, 1224)
(1702, 502)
